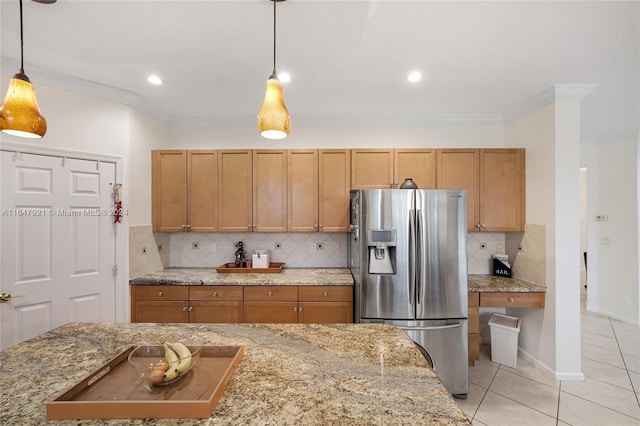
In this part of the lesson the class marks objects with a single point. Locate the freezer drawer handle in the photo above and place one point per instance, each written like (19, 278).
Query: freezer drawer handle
(442, 327)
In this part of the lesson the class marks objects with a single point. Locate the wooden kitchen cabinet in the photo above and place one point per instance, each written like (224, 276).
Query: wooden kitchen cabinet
(325, 304)
(502, 190)
(160, 303)
(271, 304)
(417, 164)
(495, 183)
(219, 304)
(318, 190)
(235, 190)
(372, 168)
(184, 190)
(474, 327)
(270, 190)
(388, 168)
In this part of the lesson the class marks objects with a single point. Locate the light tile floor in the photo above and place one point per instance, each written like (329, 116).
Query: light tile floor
(610, 395)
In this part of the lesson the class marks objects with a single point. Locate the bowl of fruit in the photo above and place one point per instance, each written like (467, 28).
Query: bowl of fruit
(166, 363)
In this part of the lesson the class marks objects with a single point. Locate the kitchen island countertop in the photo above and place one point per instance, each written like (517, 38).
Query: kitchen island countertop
(209, 276)
(291, 374)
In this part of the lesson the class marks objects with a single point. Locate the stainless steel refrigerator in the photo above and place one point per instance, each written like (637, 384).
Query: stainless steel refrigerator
(408, 257)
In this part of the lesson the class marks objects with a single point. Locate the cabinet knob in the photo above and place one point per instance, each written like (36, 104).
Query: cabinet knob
(190, 308)
(184, 226)
(325, 294)
(295, 309)
(189, 227)
(161, 293)
(482, 225)
(269, 294)
(215, 294)
(511, 300)
(321, 225)
(300, 309)
(478, 226)
(184, 309)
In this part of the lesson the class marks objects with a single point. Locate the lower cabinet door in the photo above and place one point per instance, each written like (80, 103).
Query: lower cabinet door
(220, 312)
(325, 312)
(161, 311)
(270, 312)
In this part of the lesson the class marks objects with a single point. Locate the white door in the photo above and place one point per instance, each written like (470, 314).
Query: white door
(57, 244)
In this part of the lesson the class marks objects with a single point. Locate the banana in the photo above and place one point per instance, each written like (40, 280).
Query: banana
(173, 361)
(184, 354)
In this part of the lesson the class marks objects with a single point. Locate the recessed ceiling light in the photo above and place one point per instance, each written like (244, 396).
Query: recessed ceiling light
(154, 79)
(284, 77)
(414, 76)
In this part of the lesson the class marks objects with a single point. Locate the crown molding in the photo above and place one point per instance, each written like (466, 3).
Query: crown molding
(573, 92)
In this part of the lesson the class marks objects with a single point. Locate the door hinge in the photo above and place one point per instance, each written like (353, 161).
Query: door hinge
(115, 270)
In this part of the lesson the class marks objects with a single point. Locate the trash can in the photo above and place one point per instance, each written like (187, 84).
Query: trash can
(504, 339)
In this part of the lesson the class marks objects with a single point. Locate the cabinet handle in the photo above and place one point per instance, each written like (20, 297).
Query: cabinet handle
(325, 294)
(249, 226)
(269, 294)
(184, 309)
(478, 226)
(190, 308)
(315, 226)
(189, 227)
(215, 294)
(295, 309)
(321, 225)
(184, 226)
(482, 225)
(300, 309)
(511, 300)
(161, 293)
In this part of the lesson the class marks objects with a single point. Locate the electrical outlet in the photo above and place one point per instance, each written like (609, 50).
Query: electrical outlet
(144, 250)
(213, 247)
(320, 246)
(483, 246)
(278, 246)
(195, 245)
(314, 247)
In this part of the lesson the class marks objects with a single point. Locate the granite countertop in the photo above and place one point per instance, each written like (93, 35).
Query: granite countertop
(209, 276)
(306, 374)
(491, 283)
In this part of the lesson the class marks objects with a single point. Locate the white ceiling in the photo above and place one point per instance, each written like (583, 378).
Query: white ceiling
(481, 61)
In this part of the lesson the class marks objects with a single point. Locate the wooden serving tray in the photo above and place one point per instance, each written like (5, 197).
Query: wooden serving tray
(115, 391)
(274, 268)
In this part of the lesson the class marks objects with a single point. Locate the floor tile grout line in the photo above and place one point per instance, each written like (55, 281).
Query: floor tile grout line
(485, 394)
(520, 403)
(599, 404)
(635, 392)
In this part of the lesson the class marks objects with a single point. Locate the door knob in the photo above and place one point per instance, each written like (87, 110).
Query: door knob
(5, 297)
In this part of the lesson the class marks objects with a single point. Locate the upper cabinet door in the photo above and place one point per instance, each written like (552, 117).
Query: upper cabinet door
(417, 164)
(302, 187)
(202, 184)
(169, 190)
(270, 190)
(334, 186)
(372, 168)
(459, 169)
(502, 190)
(235, 198)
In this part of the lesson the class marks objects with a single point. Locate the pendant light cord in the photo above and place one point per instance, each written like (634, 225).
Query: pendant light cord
(274, 36)
(21, 42)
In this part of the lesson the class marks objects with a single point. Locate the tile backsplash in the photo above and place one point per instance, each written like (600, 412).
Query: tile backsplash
(164, 250)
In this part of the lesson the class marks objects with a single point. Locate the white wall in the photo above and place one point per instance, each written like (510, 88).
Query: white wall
(613, 287)
(342, 137)
(536, 133)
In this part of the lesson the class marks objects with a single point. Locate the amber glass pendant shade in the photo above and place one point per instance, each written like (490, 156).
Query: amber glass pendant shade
(273, 119)
(19, 113)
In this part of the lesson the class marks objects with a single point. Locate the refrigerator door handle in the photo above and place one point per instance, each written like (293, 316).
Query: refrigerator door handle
(418, 254)
(440, 327)
(412, 255)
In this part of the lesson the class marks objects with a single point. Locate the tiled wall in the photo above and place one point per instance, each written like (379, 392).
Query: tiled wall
(528, 252)
(295, 248)
(215, 249)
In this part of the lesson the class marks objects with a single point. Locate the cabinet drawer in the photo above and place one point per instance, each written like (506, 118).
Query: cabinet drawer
(513, 300)
(216, 292)
(269, 293)
(326, 293)
(162, 292)
(474, 299)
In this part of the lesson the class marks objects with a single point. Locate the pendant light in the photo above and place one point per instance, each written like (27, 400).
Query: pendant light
(19, 112)
(273, 119)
